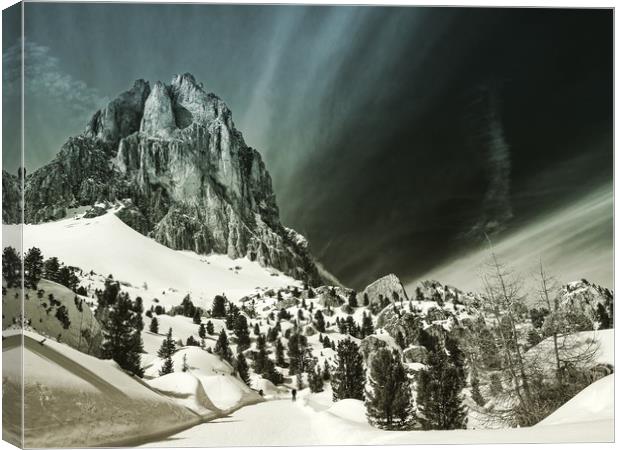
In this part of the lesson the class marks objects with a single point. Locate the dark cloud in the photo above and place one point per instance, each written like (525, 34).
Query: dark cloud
(364, 114)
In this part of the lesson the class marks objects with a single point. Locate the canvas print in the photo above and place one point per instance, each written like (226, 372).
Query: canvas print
(281, 225)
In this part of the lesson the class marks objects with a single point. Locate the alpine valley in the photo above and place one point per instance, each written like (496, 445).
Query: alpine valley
(165, 303)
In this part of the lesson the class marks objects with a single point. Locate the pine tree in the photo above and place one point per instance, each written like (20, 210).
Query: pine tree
(202, 332)
(122, 340)
(167, 367)
(367, 326)
(231, 316)
(261, 355)
(256, 329)
(366, 300)
(315, 380)
(33, 268)
(353, 299)
(350, 376)
(271, 373)
(326, 371)
(222, 347)
(11, 267)
(388, 402)
(280, 361)
(154, 327)
(319, 321)
(439, 394)
(219, 307)
(210, 330)
(50, 268)
(242, 333)
(197, 318)
(185, 367)
(168, 346)
(296, 349)
(241, 366)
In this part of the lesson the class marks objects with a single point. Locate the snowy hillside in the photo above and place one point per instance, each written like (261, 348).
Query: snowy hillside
(72, 399)
(106, 246)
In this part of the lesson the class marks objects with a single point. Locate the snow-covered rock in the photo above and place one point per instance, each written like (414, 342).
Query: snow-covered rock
(388, 287)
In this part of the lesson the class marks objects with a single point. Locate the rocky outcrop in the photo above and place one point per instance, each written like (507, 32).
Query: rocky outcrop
(387, 287)
(173, 157)
(396, 321)
(416, 354)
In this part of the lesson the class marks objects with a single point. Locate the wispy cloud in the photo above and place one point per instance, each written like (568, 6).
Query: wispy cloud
(45, 78)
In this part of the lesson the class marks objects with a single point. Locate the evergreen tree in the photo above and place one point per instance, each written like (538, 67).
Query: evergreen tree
(457, 358)
(261, 355)
(50, 269)
(219, 307)
(187, 307)
(388, 401)
(184, 367)
(202, 331)
(167, 367)
(33, 268)
(353, 299)
(367, 326)
(439, 394)
(210, 330)
(154, 327)
(242, 333)
(231, 316)
(366, 300)
(222, 347)
(296, 349)
(241, 366)
(349, 377)
(326, 371)
(280, 361)
(191, 341)
(315, 380)
(319, 321)
(122, 340)
(256, 329)
(197, 318)
(11, 267)
(66, 276)
(271, 373)
(326, 342)
(168, 346)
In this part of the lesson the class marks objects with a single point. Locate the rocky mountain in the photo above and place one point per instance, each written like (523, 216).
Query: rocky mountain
(172, 157)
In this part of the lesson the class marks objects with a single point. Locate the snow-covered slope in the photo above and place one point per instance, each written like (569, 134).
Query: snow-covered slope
(106, 245)
(72, 399)
(594, 404)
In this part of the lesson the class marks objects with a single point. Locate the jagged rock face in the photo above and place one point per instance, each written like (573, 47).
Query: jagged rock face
(388, 287)
(584, 297)
(172, 156)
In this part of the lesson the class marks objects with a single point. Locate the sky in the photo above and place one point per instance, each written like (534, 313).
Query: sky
(396, 137)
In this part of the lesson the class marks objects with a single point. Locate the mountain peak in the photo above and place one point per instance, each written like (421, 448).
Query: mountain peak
(172, 156)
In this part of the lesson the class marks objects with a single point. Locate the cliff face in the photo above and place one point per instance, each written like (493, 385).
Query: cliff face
(172, 155)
